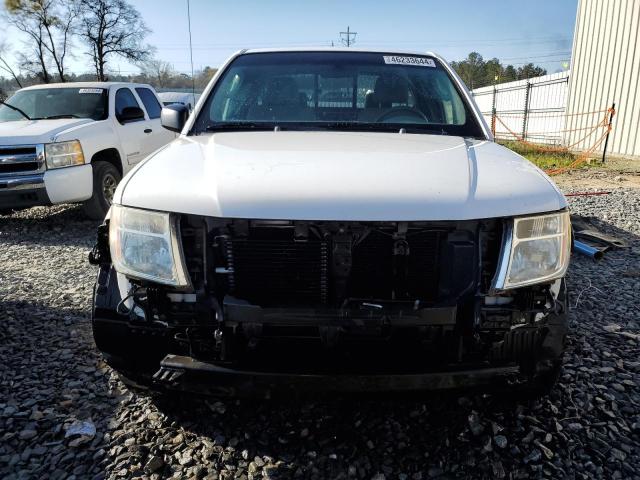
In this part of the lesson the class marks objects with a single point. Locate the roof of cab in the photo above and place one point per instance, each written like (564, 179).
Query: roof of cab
(105, 85)
(339, 49)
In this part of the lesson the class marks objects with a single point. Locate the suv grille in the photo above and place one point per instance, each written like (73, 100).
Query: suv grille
(21, 159)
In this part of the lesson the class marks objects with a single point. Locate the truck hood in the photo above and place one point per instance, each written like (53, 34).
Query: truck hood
(23, 132)
(339, 176)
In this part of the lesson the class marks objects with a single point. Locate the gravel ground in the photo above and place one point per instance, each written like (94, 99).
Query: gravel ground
(52, 379)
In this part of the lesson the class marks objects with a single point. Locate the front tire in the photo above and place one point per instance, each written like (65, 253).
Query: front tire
(105, 180)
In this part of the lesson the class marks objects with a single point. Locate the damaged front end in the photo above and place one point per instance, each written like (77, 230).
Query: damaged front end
(330, 305)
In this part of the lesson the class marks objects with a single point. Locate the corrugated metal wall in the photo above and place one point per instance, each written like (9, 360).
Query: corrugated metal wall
(539, 118)
(605, 68)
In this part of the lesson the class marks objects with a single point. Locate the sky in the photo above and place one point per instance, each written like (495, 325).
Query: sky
(514, 31)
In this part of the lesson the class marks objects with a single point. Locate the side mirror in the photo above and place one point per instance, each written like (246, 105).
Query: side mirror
(130, 114)
(173, 117)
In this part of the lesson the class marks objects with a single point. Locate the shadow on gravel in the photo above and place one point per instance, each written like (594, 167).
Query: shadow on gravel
(49, 226)
(50, 376)
(419, 435)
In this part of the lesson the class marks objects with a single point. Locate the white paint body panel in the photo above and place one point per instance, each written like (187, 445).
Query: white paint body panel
(346, 176)
(25, 132)
(70, 184)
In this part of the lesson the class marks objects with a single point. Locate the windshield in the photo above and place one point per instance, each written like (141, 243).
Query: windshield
(50, 103)
(337, 90)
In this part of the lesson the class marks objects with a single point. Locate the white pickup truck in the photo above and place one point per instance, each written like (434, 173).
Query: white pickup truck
(73, 142)
(333, 219)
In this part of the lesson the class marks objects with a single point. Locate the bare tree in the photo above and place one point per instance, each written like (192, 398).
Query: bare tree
(5, 65)
(48, 25)
(162, 72)
(113, 28)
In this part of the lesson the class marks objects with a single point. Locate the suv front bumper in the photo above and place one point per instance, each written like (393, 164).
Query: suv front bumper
(188, 374)
(147, 356)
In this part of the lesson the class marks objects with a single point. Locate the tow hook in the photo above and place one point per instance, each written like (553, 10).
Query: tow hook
(167, 376)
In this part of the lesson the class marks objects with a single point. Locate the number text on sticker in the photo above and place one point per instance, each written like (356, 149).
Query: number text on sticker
(417, 61)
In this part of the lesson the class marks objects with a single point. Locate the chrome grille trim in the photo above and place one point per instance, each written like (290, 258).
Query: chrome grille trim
(11, 155)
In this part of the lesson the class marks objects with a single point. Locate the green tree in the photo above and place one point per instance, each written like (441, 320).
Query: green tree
(476, 72)
(493, 72)
(510, 74)
(471, 70)
(530, 71)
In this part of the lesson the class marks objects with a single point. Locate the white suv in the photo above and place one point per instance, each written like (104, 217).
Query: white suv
(333, 219)
(73, 142)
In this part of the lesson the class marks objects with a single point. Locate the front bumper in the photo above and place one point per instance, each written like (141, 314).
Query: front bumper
(69, 184)
(369, 348)
(63, 185)
(149, 357)
(188, 374)
(23, 191)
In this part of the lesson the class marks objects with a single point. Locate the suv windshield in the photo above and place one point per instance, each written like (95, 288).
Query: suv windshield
(51, 103)
(337, 90)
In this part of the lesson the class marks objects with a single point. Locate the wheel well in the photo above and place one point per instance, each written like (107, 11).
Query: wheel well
(110, 155)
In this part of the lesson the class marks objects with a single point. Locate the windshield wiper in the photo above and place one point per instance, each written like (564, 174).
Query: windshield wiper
(216, 127)
(357, 126)
(383, 127)
(55, 117)
(16, 109)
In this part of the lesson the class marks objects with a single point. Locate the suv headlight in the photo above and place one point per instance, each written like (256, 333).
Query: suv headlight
(537, 250)
(144, 245)
(63, 154)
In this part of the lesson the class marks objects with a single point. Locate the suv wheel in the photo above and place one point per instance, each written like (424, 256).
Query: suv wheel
(105, 180)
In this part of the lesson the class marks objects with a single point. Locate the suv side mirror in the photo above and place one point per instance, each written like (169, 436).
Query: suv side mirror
(130, 114)
(174, 116)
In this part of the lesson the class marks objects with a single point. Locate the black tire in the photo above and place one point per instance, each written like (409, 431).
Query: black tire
(105, 180)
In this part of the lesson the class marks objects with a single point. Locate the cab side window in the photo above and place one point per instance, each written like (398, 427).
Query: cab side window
(150, 102)
(124, 99)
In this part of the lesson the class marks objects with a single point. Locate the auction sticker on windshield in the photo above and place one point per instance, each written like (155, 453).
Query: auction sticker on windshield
(90, 90)
(417, 61)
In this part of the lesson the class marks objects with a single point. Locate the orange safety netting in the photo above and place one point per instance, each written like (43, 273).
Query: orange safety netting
(604, 124)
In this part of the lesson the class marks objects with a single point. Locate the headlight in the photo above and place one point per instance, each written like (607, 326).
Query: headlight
(537, 250)
(63, 154)
(144, 245)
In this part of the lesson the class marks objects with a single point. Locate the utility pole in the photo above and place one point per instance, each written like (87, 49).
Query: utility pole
(348, 38)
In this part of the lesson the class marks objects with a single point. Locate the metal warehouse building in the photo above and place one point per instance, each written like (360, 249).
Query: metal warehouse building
(605, 69)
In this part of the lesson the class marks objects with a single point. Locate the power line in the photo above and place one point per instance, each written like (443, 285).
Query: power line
(422, 41)
(558, 54)
(346, 37)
